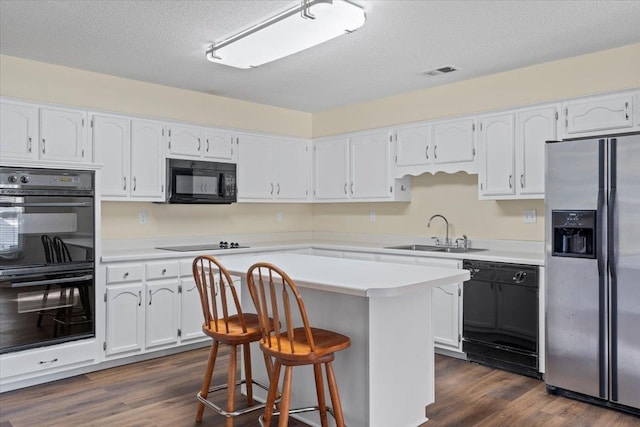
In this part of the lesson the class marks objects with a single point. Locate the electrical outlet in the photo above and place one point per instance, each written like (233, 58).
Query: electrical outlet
(529, 216)
(279, 216)
(143, 217)
(372, 216)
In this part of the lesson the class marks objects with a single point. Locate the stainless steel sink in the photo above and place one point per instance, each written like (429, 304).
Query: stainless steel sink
(433, 248)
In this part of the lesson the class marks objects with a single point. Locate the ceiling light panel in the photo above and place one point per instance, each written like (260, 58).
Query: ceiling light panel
(288, 33)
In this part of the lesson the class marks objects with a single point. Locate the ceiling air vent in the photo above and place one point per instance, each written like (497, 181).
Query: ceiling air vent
(437, 71)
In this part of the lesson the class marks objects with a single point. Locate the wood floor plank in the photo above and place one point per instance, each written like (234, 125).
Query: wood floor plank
(161, 392)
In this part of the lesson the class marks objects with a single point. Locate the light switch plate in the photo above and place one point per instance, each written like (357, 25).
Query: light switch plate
(143, 217)
(529, 216)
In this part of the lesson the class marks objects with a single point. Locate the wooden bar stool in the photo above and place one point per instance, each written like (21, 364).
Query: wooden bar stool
(225, 323)
(276, 296)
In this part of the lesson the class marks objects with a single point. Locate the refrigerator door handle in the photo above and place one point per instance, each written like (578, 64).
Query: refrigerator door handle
(600, 254)
(611, 261)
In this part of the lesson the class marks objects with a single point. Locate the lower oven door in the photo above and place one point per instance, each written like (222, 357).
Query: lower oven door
(46, 308)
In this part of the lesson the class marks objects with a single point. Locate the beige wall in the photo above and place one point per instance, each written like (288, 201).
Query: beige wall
(454, 196)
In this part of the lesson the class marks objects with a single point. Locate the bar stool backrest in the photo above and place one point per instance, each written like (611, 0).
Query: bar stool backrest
(213, 280)
(275, 295)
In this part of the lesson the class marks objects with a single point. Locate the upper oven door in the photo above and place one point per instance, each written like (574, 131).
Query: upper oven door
(29, 222)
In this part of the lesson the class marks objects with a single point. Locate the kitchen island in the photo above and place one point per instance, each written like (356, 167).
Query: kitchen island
(386, 377)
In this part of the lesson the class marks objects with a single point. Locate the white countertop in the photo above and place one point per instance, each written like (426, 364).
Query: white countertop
(353, 277)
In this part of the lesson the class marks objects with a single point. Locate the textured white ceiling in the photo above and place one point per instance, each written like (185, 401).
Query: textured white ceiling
(164, 42)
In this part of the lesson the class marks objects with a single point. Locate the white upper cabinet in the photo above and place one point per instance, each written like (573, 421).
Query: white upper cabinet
(533, 128)
(512, 152)
(272, 169)
(370, 164)
(132, 155)
(600, 115)
(112, 148)
(18, 131)
(63, 135)
(185, 141)
(358, 168)
(331, 169)
(497, 142)
(147, 160)
(219, 144)
(443, 146)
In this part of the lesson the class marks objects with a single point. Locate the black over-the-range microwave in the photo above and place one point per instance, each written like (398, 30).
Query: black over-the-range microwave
(197, 181)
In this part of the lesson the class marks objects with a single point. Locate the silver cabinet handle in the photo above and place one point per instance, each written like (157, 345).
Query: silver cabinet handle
(139, 298)
(271, 188)
(47, 362)
(199, 144)
(510, 183)
(345, 188)
(164, 271)
(426, 152)
(352, 188)
(135, 183)
(125, 183)
(207, 145)
(125, 275)
(44, 148)
(626, 111)
(435, 151)
(82, 153)
(30, 144)
(150, 296)
(278, 189)
(521, 180)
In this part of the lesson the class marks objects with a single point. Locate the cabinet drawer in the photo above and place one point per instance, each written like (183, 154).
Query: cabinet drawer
(124, 273)
(162, 270)
(54, 358)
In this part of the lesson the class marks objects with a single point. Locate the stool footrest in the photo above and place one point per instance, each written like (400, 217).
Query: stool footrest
(238, 412)
(297, 411)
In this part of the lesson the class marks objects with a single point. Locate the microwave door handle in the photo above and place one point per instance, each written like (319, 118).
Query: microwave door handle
(221, 185)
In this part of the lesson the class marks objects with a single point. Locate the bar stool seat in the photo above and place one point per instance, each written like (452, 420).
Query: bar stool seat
(276, 297)
(226, 324)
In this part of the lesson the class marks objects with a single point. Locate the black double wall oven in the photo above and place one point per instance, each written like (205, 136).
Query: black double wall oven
(47, 236)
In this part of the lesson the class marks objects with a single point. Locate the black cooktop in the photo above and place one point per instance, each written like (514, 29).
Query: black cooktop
(203, 247)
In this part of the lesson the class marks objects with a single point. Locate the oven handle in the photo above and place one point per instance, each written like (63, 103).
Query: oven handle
(52, 281)
(45, 205)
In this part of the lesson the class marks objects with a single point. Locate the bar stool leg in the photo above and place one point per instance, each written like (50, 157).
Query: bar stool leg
(335, 397)
(322, 405)
(273, 391)
(246, 354)
(231, 382)
(285, 403)
(206, 382)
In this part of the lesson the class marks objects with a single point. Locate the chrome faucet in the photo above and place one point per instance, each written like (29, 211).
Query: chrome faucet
(446, 239)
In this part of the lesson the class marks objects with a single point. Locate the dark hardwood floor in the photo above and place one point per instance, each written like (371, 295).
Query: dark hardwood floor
(161, 392)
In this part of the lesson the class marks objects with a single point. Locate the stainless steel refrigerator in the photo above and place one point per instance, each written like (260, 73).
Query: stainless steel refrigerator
(592, 267)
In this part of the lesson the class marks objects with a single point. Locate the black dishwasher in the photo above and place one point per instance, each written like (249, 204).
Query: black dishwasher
(500, 316)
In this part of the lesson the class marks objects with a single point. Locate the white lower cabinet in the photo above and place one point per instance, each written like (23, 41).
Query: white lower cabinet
(162, 304)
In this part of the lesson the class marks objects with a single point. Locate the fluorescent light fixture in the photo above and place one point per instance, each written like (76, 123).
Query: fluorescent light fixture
(299, 28)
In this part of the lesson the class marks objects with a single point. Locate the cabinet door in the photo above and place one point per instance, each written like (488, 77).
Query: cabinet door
(147, 160)
(602, 113)
(185, 140)
(331, 165)
(497, 155)
(218, 144)
(369, 160)
(533, 128)
(18, 131)
(63, 135)
(161, 313)
(111, 147)
(125, 318)
(447, 308)
(453, 141)
(413, 146)
(291, 170)
(191, 317)
(255, 167)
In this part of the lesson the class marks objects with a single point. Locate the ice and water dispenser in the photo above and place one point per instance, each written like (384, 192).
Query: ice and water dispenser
(574, 233)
